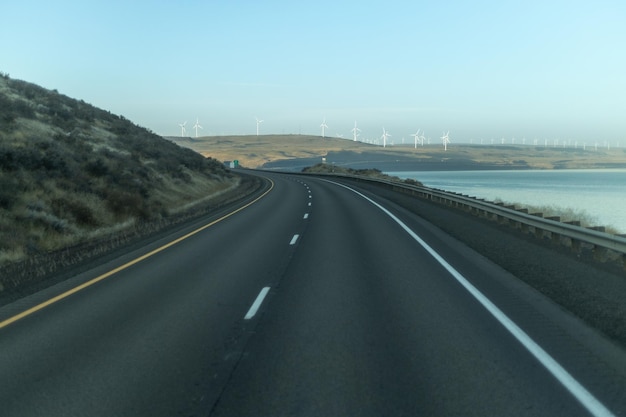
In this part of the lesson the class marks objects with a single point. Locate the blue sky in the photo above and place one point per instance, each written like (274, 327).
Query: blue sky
(480, 69)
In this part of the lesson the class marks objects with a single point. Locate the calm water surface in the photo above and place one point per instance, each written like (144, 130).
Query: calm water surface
(599, 193)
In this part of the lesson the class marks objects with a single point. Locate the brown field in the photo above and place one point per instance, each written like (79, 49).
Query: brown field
(265, 150)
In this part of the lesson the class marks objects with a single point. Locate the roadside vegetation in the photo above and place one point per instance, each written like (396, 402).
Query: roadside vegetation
(71, 173)
(564, 214)
(370, 173)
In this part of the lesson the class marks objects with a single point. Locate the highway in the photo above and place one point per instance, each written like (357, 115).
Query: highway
(316, 299)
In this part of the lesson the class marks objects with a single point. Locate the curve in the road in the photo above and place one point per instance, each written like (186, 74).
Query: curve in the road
(579, 392)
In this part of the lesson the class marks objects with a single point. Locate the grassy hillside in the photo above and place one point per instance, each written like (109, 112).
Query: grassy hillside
(70, 172)
(255, 151)
(296, 151)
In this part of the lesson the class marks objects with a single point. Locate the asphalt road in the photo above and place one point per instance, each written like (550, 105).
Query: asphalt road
(314, 300)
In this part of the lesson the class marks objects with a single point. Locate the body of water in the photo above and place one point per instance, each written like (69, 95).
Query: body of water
(599, 193)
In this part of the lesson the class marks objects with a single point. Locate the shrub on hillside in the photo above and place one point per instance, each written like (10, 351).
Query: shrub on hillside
(9, 188)
(126, 204)
(10, 110)
(76, 210)
(97, 167)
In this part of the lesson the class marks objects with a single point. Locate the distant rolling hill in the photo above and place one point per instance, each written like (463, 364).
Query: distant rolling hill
(70, 172)
(295, 152)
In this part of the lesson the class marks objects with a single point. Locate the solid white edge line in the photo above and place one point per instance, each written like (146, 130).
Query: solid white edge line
(294, 239)
(257, 303)
(575, 388)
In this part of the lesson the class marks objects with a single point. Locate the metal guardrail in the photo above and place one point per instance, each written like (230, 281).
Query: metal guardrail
(576, 234)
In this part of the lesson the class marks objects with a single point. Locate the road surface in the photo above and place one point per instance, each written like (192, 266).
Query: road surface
(316, 299)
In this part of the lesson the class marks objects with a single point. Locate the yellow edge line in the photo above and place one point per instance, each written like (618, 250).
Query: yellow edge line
(125, 266)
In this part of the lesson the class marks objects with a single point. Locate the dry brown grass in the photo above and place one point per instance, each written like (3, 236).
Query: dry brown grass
(253, 152)
(70, 172)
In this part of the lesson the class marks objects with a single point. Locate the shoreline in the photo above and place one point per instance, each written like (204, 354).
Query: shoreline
(586, 195)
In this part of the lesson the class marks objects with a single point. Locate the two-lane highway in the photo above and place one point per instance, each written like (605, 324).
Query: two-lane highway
(315, 300)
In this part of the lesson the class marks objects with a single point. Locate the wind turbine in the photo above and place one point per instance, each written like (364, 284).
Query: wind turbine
(355, 131)
(182, 129)
(445, 140)
(324, 126)
(418, 138)
(384, 137)
(258, 122)
(197, 126)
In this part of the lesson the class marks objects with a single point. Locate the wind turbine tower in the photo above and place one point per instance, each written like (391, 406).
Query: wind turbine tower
(445, 140)
(182, 129)
(324, 126)
(417, 137)
(197, 126)
(355, 131)
(384, 137)
(258, 122)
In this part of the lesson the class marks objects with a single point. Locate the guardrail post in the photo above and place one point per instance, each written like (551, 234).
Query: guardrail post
(538, 231)
(576, 245)
(523, 227)
(599, 253)
(555, 237)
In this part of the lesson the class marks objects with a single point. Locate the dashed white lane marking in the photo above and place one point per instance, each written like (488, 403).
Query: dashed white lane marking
(309, 204)
(584, 397)
(306, 216)
(257, 303)
(294, 239)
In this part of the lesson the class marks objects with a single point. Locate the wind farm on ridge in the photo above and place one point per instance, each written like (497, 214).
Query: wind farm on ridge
(266, 150)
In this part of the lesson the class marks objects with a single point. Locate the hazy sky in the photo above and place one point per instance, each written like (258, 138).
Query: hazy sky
(480, 69)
